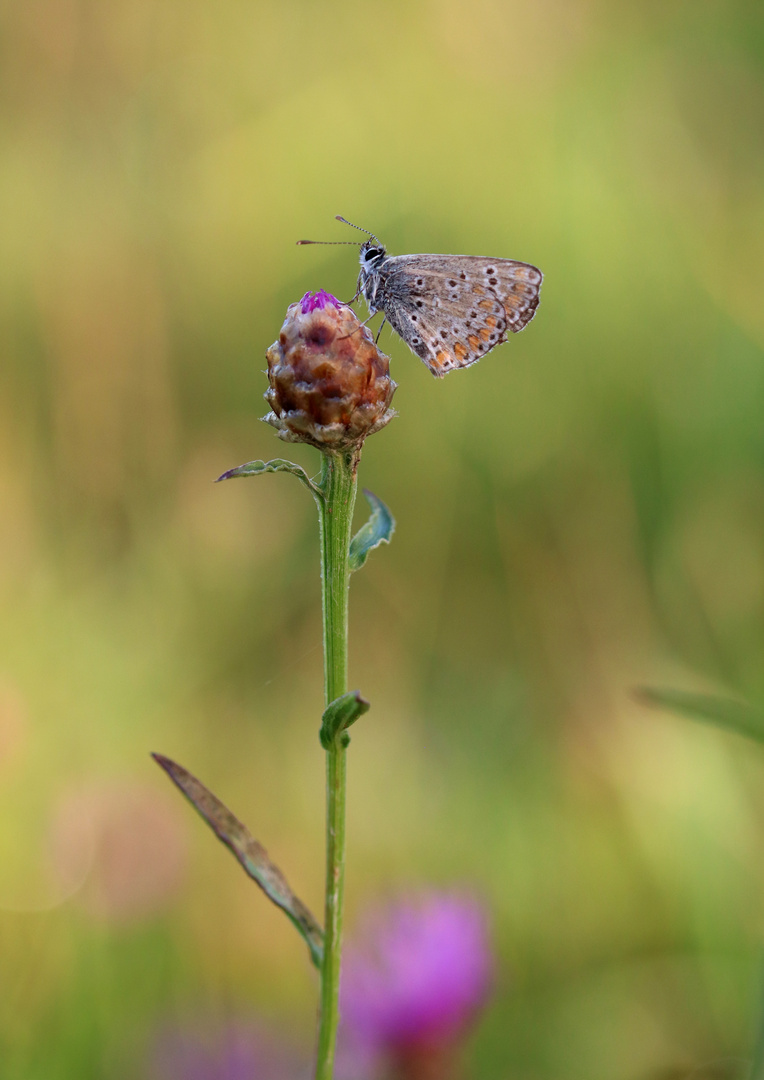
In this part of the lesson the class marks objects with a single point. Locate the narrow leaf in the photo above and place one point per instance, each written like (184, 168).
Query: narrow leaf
(724, 712)
(252, 855)
(339, 715)
(257, 468)
(377, 530)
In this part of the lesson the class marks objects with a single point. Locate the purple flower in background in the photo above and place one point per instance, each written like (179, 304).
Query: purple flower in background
(415, 975)
(232, 1051)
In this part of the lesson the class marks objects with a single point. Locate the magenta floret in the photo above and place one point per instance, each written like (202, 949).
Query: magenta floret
(317, 301)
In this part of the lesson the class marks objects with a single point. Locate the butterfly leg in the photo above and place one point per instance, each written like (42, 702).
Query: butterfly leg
(359, 283)
(360, 327)
(376, 339)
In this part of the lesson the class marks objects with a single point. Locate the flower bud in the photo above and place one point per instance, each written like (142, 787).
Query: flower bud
(330, 385)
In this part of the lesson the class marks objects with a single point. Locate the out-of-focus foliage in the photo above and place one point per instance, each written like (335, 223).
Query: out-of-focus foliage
(581, 513)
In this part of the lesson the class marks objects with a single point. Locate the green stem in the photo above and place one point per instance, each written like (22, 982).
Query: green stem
(335, 511)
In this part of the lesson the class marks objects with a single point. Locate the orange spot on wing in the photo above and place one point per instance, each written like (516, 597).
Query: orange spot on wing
(461, 352)
(442, 358)
(486, 305)
(485, 333)
(478, 290)
(491, 320)
(474, 342)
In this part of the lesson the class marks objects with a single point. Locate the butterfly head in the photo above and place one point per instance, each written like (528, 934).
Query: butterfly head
(372, 254)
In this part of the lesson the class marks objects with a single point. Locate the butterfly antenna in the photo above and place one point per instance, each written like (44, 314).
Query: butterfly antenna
(352, 242)
(352, 226)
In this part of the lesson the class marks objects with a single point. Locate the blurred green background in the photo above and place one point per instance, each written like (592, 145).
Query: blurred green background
(580, 513)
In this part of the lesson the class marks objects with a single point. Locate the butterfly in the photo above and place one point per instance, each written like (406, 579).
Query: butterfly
(449, 309)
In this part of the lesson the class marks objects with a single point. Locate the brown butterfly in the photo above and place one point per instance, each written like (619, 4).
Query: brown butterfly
(449, 309)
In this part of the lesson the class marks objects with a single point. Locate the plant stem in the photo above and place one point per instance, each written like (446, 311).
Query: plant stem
(335, 511)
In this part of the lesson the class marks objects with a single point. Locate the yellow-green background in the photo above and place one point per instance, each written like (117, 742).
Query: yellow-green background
(580, 513)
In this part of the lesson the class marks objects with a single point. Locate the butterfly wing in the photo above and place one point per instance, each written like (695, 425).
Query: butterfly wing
(453, 309)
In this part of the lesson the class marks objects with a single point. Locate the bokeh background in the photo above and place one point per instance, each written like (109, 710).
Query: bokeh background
(581, 513)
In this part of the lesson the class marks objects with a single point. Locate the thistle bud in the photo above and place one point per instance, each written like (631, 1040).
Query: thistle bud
(330, 385)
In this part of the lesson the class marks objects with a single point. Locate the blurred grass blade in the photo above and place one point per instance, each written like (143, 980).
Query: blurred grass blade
(339, 715)
(257, 468)
(377, 530)
(724, 712)
(252, 855)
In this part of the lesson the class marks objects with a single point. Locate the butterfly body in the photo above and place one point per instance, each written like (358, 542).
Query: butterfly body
(449, 309)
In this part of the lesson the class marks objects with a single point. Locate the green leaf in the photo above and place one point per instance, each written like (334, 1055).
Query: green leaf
(257, 468)
(377, 530)
(252, 855)
(724, 712)
(339, 715)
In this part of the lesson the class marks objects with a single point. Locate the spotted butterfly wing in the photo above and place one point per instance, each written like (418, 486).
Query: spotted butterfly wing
(453, 309)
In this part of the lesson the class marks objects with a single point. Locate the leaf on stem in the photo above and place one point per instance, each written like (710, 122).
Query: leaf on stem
(252, 855)
(339, 715)
(724, 712)
(377, 530)
(257, 468)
